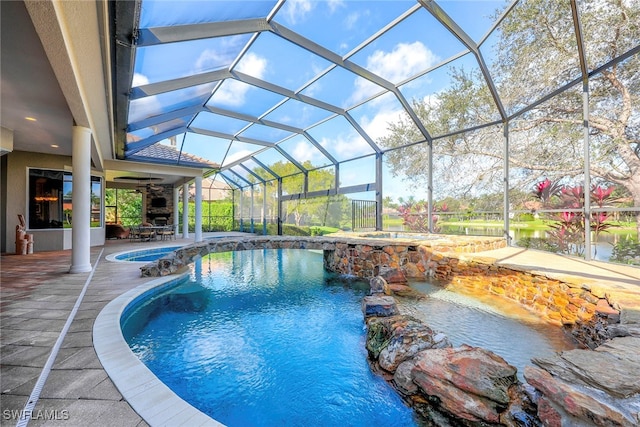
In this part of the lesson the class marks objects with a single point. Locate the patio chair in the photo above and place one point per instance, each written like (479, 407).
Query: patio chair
(168, 232)
(134, 233)
(147, 233)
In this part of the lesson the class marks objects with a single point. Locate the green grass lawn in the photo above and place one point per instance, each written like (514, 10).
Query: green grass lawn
(537, 224)
(321, 230)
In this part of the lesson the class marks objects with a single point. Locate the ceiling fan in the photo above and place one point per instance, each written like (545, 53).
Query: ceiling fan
(148, 187)
(146, 183)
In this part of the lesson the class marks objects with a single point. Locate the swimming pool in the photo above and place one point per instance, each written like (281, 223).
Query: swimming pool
(143, 255)
(265, 337)
(226, 340)
(496, 324)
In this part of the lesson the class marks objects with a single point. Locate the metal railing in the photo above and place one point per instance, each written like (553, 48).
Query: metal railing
(363, 215)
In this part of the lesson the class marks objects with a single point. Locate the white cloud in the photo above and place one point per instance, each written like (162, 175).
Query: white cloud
(350, 24)
(303, 152)
(363, 89)
(405, 60)
(142, 108)
(335, 5)
(208, 60)
(346, 146)
(219, 56)
(314, 89)
(236, 156)
(377, 127)
(139, 80)
(297, 10)
(432, 99)
(233, 92)
(253, 65)
(351, 20)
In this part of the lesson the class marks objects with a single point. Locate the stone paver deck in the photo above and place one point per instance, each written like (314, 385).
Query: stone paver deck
(37, 295)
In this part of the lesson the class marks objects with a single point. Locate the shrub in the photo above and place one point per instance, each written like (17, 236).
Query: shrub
(567, 228)
(626, 251)
(538, 243)
(526, 217)
(288, 230)
(415, 216)
(321, 231)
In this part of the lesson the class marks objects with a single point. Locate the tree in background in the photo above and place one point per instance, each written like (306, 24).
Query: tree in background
(128, 204)
(535, 53)
(388, 202)
(323, 211)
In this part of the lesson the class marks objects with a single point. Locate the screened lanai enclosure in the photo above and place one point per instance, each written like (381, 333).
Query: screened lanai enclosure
(514, 118)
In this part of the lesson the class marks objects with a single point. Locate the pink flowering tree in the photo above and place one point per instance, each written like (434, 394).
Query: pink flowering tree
(415, 216)
(567, 229)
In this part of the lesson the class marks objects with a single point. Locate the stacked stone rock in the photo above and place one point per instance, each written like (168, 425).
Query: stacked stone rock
(448, 386)
(417, 259)
(580, 307)
(473, 386)
(598, 387)
(557, 302)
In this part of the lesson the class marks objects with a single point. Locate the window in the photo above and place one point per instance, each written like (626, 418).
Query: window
(50, 204)
(123, 206)
(96, 198)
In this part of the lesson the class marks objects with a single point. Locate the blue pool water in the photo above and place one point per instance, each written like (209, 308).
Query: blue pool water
(145, 255)
(265, 338)
(493, 323)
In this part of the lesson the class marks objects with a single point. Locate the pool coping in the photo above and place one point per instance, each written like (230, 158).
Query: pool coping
(113, 257)
(153, 400)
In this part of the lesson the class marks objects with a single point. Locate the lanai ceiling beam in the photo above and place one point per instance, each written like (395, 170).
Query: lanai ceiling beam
(223, 135)
(180, 33)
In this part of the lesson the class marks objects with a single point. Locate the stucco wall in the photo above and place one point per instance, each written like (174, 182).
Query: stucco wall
(16, 202)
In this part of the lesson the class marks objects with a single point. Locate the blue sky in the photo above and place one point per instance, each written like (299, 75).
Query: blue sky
(416, 44)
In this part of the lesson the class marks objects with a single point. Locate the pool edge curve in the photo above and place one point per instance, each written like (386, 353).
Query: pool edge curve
(156, 403)
(114, 256)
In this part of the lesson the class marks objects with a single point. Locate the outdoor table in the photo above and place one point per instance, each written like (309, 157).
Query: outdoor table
(148, 232)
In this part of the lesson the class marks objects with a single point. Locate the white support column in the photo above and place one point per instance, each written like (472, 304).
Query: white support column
(185, 211)
(241, 192)
(145, 207)
(198, 209)
(251, 210)
(280, 205)
(176, 210)
(81, 200)
(264, 208)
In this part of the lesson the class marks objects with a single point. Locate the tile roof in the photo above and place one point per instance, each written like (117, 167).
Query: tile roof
(159, 153)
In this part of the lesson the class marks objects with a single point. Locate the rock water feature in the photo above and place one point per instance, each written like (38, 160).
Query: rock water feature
(447, 386)
(472, 386)
(600, 386)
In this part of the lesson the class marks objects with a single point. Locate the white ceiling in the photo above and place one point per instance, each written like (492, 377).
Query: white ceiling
(30, 88)
(38, 81)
